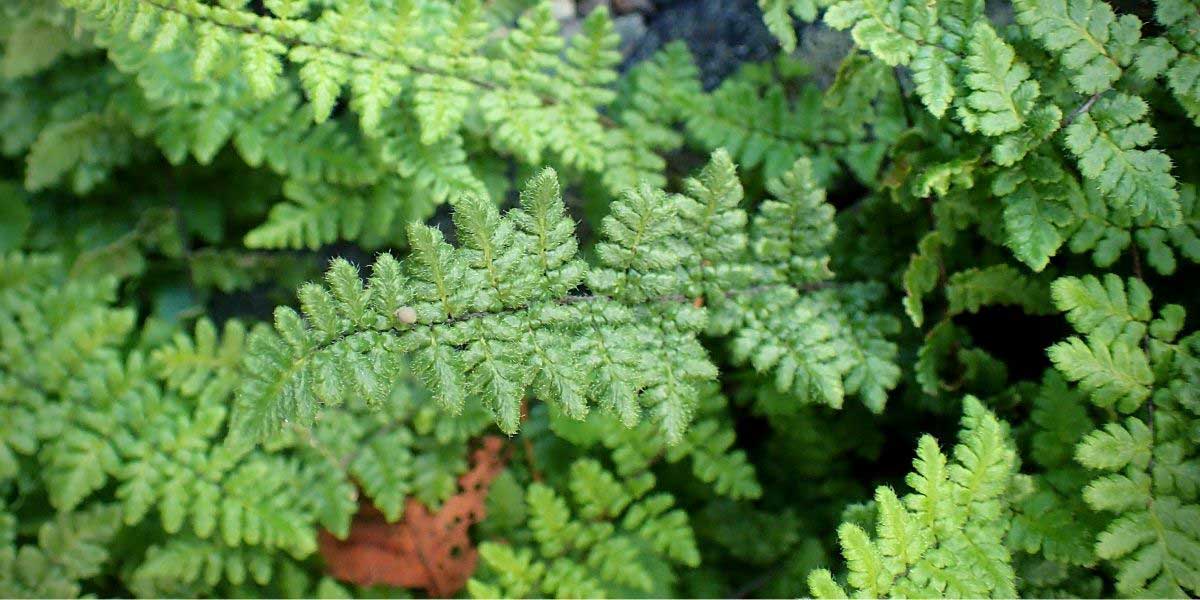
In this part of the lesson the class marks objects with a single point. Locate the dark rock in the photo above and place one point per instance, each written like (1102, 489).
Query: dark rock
(632, 29)
(622, 7)
(617, 7)
(722, 34)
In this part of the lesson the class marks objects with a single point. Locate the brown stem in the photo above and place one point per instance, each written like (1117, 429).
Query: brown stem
(1086, 106)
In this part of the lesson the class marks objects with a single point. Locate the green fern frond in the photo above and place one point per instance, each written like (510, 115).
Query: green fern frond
(969, 290)
(183, 565)
(708, 444)
(891, 31)
(1108, 142)
(1111, 363)
(1094, 43)
(1107, 307)
(1131, 361)
(434, 65)
(1116, 373)
(1001, 93)
(71, 547)
(777, 15)
(1053, 521)
(495, 317)
(320, 214)
(953, 523)
(611, 539)
(922, 274)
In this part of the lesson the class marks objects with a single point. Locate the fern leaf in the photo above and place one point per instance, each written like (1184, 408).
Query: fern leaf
(1117, 373)
(921, 275)
(933, 73)
(71, 547)
(1002, 94)
(321, 79)
(1092, 42)
(609, 537)
(777, 15)
(954, 522)
(890, 31)
(1107, 141)
(480, 317)
(261, 64)
(1106, 308)
(972, 289)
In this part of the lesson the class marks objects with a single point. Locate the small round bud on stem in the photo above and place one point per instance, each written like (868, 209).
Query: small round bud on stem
(406, 315)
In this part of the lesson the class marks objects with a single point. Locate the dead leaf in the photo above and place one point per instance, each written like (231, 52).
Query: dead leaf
(429, 550)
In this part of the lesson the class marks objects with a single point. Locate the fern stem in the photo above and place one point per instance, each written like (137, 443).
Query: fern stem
(1079, 110)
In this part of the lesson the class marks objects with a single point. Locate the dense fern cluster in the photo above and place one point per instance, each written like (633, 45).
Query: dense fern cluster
(416, 297)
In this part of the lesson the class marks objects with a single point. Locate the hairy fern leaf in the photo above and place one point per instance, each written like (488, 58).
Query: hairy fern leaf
(1108, 142)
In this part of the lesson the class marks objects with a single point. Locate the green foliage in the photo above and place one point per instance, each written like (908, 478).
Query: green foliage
(768, 115)
(1001, 94)
(707, 444)
(69, 548)
(967, 291)
(1175, 54)
(1109, 363)
(1053, 520)
(939, 208)
(1148, 464)
(612, 539)
(432, 62)
(1095, 44)
(495, 316)
(1107, 141)
(134, 441)
(777, 14)
(946, 538)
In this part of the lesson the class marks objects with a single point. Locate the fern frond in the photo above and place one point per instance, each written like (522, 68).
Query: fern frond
(794, 230)
(804, 340)
(1111, 364)
(1147, 464)
(777, 15)
(1038, 197)
(1176, 54)
(1094, 44)
(495, 318)
(1108, 142)
(761, 121)
(971, 289)
(1117, 372)
(1107, 307)
(146, 438)
(186, 564)
(652, 97)
(610, 539)
(922, 274)
(436, 66)
(891, 31)
(953, 523)
(71, 547)
(1002, 94)
(321, 214)
(1053, 520)
(708, 444)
